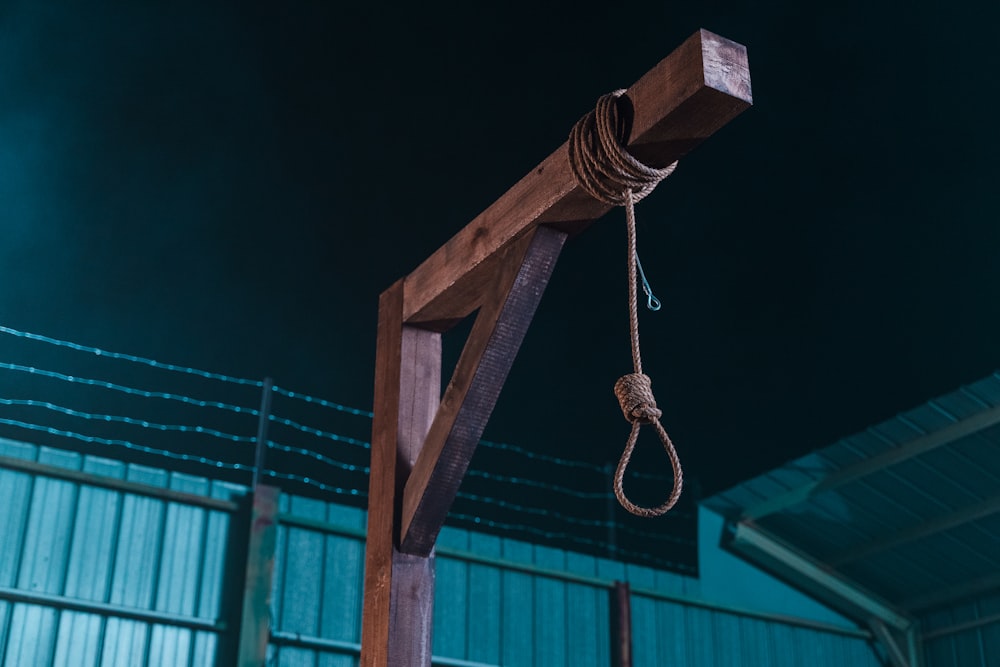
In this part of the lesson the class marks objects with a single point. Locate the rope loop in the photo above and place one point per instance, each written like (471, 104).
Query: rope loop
(610, 174)
(675, 493)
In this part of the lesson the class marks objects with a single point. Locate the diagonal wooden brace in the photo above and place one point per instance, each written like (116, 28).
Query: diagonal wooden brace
(499, 264)
(472, 394)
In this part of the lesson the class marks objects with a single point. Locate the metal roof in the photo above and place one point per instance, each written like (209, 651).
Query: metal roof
(889, 523)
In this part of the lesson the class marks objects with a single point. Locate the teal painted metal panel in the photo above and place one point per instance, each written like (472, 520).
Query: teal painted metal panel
(551, 629)
(588, 615)
(78, 641)
(118, 554)
(451, 598)
(343, 583)
(498, 601)
(487, 613)
(485, 616)
(297, 609)
(666, 633)
(318, 583)
(967, 634)
(32, 634)
(518, 609)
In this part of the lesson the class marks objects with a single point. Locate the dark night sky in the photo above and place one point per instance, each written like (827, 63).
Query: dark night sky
(231, 187)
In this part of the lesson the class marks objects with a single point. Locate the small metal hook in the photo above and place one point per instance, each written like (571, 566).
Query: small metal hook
(652, 303)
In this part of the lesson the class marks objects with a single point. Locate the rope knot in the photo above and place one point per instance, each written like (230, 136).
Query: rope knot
(635, 395)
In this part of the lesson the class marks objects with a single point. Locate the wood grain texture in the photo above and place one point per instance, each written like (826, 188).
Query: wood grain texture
(475, 386)
(399, 589)
(411, 610)
(689, 95)
(382, 480)
(411, 603)
(500, 263)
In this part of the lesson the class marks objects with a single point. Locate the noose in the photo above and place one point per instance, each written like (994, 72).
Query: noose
(612, 175)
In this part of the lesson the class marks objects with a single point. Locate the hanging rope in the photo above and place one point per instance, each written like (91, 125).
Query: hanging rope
(612, 175)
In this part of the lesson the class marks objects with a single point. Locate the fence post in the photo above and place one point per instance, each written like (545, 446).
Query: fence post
(255, 615)
(621, 624)
(264, 417)
(255, 619)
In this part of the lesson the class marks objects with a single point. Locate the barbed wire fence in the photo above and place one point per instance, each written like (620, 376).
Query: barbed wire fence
(311, 446)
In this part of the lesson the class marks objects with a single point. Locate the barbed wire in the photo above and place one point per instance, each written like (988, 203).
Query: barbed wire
(523, 481)
(125, 444)
(349, 467)
(132, 391)
(131, 357)
(548, 513)
(542, 514)
(319, 433)
(321, 402)
(274, 474)
(125, 420)
(537, 456)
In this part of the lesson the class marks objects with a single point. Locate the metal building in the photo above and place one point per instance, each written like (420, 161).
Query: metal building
(897, 526)
(881, 549)
(110, 563)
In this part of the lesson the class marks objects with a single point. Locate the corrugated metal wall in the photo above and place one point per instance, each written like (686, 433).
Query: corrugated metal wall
(966, 635)
(95, 576)
(505, 602)
(101, 576)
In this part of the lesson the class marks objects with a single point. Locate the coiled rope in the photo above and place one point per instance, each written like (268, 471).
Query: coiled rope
(609, 173)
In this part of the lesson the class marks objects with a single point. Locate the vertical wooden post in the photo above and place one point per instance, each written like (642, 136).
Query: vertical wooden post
(497, 265)
(399, 588)
(255, 626)
(621, 623)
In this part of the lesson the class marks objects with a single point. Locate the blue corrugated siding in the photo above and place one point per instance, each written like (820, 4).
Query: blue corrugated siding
(671, 634)
(83, 542)
(492, 615)
(318, 583)
(977, 645)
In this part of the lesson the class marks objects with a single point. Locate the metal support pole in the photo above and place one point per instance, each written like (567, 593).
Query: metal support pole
(255, 624)
(621, 623)
(263, 418)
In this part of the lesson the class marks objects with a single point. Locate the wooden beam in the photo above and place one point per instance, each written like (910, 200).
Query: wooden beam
(499, 264)
(411, 607)
(399, 589)
(687, 97)
(475, 386)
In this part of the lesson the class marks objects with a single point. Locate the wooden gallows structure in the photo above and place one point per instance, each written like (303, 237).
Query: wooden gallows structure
(498, 265)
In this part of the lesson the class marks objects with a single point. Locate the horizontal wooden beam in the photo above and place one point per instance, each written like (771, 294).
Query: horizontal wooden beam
(687, 97)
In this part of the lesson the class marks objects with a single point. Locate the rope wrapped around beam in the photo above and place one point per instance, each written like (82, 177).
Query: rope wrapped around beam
(609, 173)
